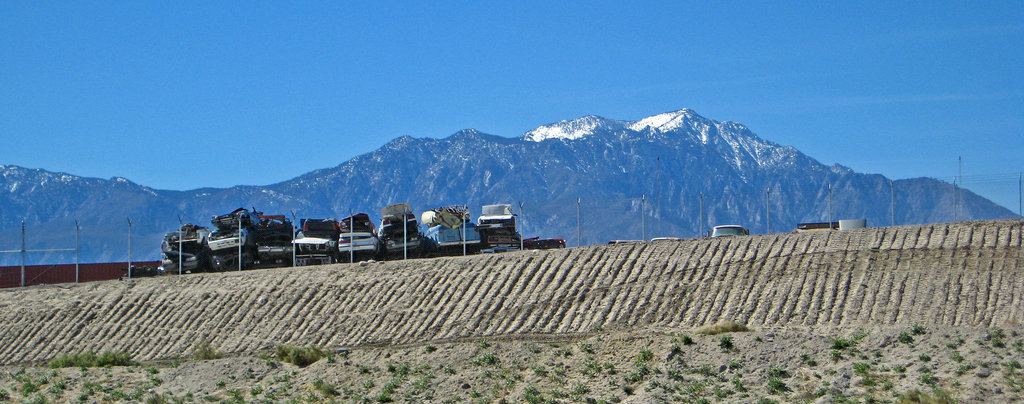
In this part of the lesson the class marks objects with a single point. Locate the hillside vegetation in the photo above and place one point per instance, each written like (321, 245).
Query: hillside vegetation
(894, 295)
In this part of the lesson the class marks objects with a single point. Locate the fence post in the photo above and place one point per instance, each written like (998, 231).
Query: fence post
(77, 249)
(129, 248)
(23, 253)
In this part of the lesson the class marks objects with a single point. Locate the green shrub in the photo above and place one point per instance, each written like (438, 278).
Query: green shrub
(839, 343)
(644, 356)
(205, 351)
(776, 385)
(91, 360)
(725, 343)
(906, 338)
(299, 356)
(861, 368)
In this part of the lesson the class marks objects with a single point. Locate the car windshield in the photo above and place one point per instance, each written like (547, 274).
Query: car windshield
(728, 231)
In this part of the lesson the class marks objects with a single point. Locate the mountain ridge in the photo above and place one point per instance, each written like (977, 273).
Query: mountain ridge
(678, 160)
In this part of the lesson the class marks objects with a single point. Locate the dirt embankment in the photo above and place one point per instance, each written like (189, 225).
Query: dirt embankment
(945, 275)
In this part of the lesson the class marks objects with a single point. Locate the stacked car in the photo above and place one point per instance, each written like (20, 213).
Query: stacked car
(449, 231)
(273, 235)
(246, 238)
(317, 242)
(231, 245)
(358, 238)
(185, 250)
(399, 232)
(497, 227)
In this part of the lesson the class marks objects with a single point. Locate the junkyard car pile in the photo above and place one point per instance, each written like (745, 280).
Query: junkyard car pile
(244, 238)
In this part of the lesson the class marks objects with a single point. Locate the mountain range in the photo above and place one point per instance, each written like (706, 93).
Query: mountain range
(622, 179)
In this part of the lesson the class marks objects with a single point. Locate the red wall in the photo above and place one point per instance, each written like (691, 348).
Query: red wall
(10, 277)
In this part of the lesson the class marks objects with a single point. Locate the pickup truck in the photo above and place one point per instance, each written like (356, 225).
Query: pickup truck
(358, 240)
(317, 242)
(446, 227)
(399, 231)
(497, 227)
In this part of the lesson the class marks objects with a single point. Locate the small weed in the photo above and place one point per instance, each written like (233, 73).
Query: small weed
(1013, 364)
(725, 343)
(776, 385)
(430, 348)
(967, 367)
(586, 348)
(579, 390)
(487, 359)
(861, 368)
(956, 357)
(840, 344)
(905, 338)
(918, 329)
(687, 340)
(925, 358)
(807, 360)
(836, 355)
(644, 356)
(734, 364)
(484, 344)
(326, 389)
(256, 390)
(778, 372)
(533, 396)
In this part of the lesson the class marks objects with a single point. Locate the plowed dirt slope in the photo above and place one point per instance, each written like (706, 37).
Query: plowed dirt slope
(965, 274)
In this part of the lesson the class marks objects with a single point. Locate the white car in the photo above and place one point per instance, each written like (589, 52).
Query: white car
(729, 230)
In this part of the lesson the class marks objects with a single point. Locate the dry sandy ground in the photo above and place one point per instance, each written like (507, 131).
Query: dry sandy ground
(877, 315)
(780, 365)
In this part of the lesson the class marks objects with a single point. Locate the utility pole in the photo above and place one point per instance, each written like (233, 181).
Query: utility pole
(181, 263)
(405, 235)
(1020, 194)
(957, 183)
(351, 237)
(767, 210)
(643, 220)
(830, 206)
(240, 240)
(579, 226)
(892, 202)
(522, 228)
(77, 249)
(129, 248)
(294, 220)
(657, 208)
(464, 219)
(700, 216)
(23, 252)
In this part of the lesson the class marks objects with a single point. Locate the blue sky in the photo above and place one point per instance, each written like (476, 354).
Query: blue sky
(133, 89)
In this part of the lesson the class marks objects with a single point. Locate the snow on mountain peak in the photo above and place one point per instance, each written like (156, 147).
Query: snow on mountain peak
(571, 130)
(665, 122)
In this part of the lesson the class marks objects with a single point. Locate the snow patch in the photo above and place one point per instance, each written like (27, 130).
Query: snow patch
(664, 122)
(572, 130)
